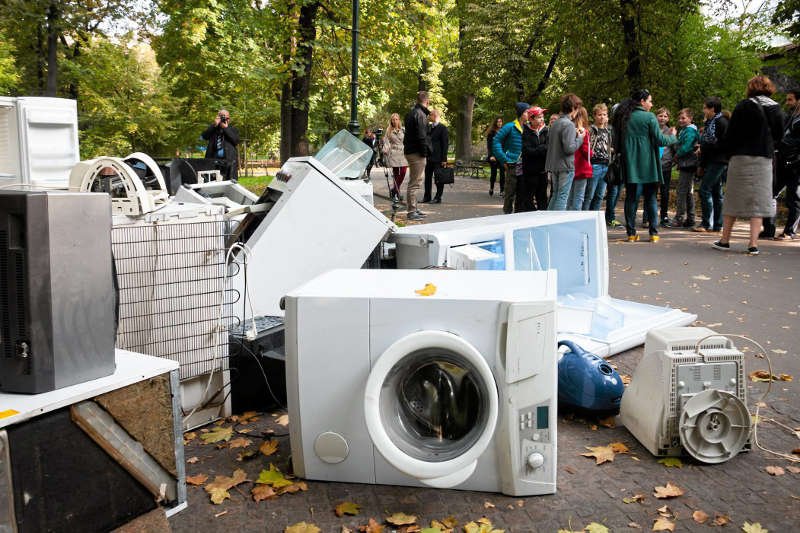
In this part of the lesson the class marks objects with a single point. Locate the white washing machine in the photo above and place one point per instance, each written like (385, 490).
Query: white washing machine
(454, 389)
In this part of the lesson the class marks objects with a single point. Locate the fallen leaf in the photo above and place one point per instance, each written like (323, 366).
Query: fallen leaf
(701, 277)
(778, 351)
(785, 377)
(664, 511)
(434, 530)
(602, 454)
(273, 477)
(634, 525)
(245, 418)
(609, 422)
(241, 442)
(263, 492)
(618, 447)
(663, 524)
(626, 379)
(450, 522)
(671, 462)
(775, 470)
(651, 272)
(217, 434)
(668, 491)
(714, 325)
(282, 420)
(302, 527)
(199, 479)
(401, 519)
(428, 290)
(636, 498)
(720, 519)
(218, 490)
(700, 516)
(189, 437)
(747, 527)
(244, 431)
(410, 529)
(268, 447)
(371, 527)
(347, 508)
(488, 505)
(192, 460)
(594, 527)
(793, 469)
(246, 455)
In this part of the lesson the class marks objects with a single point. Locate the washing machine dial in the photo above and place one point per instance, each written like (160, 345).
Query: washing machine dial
(535, 460)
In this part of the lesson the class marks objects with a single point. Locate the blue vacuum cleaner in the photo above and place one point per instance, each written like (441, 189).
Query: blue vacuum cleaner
(587, 382)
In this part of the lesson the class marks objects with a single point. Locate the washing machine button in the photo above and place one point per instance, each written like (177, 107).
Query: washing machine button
(535, 460)
(331, 447)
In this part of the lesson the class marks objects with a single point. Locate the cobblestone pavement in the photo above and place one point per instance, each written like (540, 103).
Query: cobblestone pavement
(729, 291)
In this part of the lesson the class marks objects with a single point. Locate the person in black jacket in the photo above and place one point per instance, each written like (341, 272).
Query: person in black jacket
(437, 158)
(789, 165)
(372, 141)
(416, 147)
(532, 188)
(713, 164)
(756, 127)
(222, 140)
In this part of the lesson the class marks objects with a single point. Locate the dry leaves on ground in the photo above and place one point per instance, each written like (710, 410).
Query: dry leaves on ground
(245, 418)
(668, 491)
(401, 519)
(747, 527)
(775, 470)
(763, 375)
(701, 277)
(347, 508)
(273, 477)
(720, 519)
(663, 524)
(671, 462)
(371, 527)
(302, 527)
(603, 454)
(218, 490)
(636, 498)
(240, 442)
(192, 460)
(268, 447)
(481, 525)
(282, 420)
(218, 434)
(700, 516)
(651, 272)
(197, 480)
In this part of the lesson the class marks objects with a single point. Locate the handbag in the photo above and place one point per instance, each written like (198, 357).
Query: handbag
(444, 175)
(614, 173)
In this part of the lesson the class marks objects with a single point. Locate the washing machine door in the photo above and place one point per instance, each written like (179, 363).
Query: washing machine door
(431, 407)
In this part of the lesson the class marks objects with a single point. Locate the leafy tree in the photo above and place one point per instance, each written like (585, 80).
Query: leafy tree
(9, 76)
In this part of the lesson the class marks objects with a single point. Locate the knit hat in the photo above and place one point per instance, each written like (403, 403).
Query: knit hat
(521, 108)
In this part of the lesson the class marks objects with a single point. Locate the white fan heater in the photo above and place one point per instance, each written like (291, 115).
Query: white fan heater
(684, 397)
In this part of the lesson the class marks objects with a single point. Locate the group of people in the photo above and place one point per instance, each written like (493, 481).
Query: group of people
(755, 150)
(417, 146)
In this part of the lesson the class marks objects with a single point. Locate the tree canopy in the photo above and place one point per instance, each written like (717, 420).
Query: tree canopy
(150, 75)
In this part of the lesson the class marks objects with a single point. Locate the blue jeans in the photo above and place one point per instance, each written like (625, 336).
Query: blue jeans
(562, 185)
(576, 194)
(632, 193)
(711, 196)
(611, 202)
(596, 188)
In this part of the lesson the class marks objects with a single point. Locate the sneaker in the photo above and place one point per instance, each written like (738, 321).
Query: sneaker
(414, 216)
(699, 229)
(666, 223)
(719, 245)
(633, 238)
(420, 213)
(654, 238)
(752, 251)
(615, 223)
(766, 235)
(787, 237)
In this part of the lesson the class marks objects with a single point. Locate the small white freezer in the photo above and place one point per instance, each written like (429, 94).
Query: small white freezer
(574, 243)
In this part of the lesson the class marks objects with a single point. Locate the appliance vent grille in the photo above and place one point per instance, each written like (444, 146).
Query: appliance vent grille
(19, 265)
(5, 326)
(172, 298)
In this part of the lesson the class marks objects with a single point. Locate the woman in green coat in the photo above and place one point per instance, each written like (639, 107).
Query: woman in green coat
(641, 138)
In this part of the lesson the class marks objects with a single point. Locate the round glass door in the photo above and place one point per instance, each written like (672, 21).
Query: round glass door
(431, 404)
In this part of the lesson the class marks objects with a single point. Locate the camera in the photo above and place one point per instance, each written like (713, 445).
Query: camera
(223, 119)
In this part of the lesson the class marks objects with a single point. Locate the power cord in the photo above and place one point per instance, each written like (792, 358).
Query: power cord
(760, 401)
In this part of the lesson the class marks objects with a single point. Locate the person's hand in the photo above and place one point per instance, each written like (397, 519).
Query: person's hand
(492, 158)
(581, 131)
(673, 131)
(216, 121)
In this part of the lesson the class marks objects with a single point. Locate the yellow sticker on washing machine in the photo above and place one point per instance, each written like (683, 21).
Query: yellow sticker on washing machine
(8, 412)
(428, 290)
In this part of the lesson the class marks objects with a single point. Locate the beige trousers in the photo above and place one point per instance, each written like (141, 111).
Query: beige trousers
(416, 171)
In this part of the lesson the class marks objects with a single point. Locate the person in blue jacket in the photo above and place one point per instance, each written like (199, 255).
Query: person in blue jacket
(507, 149)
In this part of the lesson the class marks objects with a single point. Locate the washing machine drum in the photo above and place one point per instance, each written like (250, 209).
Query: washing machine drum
(431, 407)
(440, 400)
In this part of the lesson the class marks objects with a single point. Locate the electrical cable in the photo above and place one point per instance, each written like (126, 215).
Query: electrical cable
(757, 417)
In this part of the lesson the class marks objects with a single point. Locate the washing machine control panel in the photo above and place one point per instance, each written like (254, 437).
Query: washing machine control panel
(531, 465)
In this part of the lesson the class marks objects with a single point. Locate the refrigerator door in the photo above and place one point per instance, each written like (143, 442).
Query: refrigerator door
(48, 140)
(573, 243)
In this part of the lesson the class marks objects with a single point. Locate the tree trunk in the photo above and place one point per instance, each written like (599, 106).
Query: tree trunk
(294, 95)
(464, 128)
(52, 50)
(630, 34)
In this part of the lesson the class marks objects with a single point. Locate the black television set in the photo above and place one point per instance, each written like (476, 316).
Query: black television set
(57, 298)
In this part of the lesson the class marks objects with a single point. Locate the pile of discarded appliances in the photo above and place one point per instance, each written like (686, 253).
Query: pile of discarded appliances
(443, 347)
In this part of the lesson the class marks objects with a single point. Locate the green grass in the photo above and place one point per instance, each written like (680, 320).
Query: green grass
(256, 184)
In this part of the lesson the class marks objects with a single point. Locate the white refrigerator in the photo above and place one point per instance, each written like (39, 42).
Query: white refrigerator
(574, 243)
(38, 141)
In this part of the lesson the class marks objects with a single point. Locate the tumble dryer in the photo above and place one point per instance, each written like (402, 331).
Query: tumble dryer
(424, 377)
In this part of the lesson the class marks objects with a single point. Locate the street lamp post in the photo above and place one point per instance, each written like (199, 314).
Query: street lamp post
(353, 125)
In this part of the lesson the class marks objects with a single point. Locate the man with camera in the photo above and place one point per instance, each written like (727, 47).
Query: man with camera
(222, 140)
